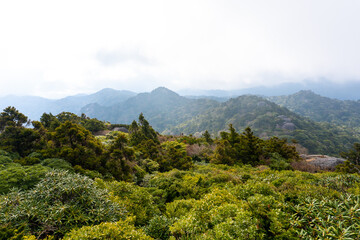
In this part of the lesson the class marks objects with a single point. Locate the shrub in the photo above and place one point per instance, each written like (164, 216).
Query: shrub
(13, 175)
(121, 230)
(4, 160)
(335, 219)
(158, 227)
(58, 203)
(279, 163)
(136, 200)
(57, 163)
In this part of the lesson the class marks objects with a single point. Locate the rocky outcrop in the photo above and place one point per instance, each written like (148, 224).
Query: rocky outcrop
(323, 161)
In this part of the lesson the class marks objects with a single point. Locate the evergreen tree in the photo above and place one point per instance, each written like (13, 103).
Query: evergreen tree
(14, 136)
(120, 159)
(353, 155)
(250, 147)
(207, 137)
(75, 144)
(12, 117)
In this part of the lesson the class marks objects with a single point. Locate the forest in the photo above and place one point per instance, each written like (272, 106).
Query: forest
(74, 177)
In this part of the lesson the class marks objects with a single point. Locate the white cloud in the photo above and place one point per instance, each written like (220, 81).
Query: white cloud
(53, 48)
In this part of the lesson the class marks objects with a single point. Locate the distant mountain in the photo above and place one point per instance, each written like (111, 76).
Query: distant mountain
(162, 107)
(105, 97)
(170, 113)
(268, 119)
(344, 91)
(322, 109)
(31, 106)
(34, 107)
(218, 99)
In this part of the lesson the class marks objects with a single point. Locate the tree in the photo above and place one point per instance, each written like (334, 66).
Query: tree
(353, 155)
(250, 147)
(142, 131)
(21, 140)
(144, 139)
(234, 148)
(68, 116)
(175, 156)
(280, 146)
(94, 125)
(49, 121)
(75, 144)
(120, 159)
(12, 117)
(207, 137)
(14, 136)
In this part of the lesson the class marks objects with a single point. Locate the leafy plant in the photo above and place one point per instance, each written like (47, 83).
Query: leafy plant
(59, 202)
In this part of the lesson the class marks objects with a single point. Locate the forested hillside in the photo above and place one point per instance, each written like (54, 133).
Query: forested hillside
(171, 113)
(163, 107)
(322, 109)
(268, 119)
(59, 181)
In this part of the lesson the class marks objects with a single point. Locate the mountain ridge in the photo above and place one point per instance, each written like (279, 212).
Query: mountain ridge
(34, 106)
(321, 109)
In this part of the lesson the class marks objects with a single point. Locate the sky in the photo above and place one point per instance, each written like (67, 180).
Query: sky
(59, 48)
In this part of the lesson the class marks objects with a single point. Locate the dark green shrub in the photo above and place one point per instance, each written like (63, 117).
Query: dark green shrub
(57, 163)
(158, 227)
(13, 175)
(279, 163)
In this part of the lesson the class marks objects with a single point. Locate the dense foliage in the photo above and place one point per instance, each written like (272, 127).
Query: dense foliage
(69, 184)
(322, 109)
(267, 119)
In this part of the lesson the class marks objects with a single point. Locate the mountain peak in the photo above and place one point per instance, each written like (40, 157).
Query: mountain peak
(308, 92)
(164, 91)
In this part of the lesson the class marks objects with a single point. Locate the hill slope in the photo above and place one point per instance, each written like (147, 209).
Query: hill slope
(322, 109)
(268, 119)
(170, 113)
(162, 107)
(34, 107)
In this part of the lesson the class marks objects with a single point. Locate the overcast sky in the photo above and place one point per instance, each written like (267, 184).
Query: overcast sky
(58, 48)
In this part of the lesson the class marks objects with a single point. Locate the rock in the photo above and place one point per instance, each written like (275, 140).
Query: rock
(323, 161)
(284, 118)
(121, 129)
(289, 126)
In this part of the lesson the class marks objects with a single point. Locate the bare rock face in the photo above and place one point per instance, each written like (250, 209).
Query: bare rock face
(289, 126)
(323, 161)
(284, 118)
(121, 129)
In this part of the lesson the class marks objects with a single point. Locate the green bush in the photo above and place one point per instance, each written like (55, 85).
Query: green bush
(158, 227)
(58, 203)
(13, 156)
(279, 163)
(179, 208)
(4, 160)
(121, 230)
(57, 163)
(335, 219)
(13, 175)
(136, 200)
